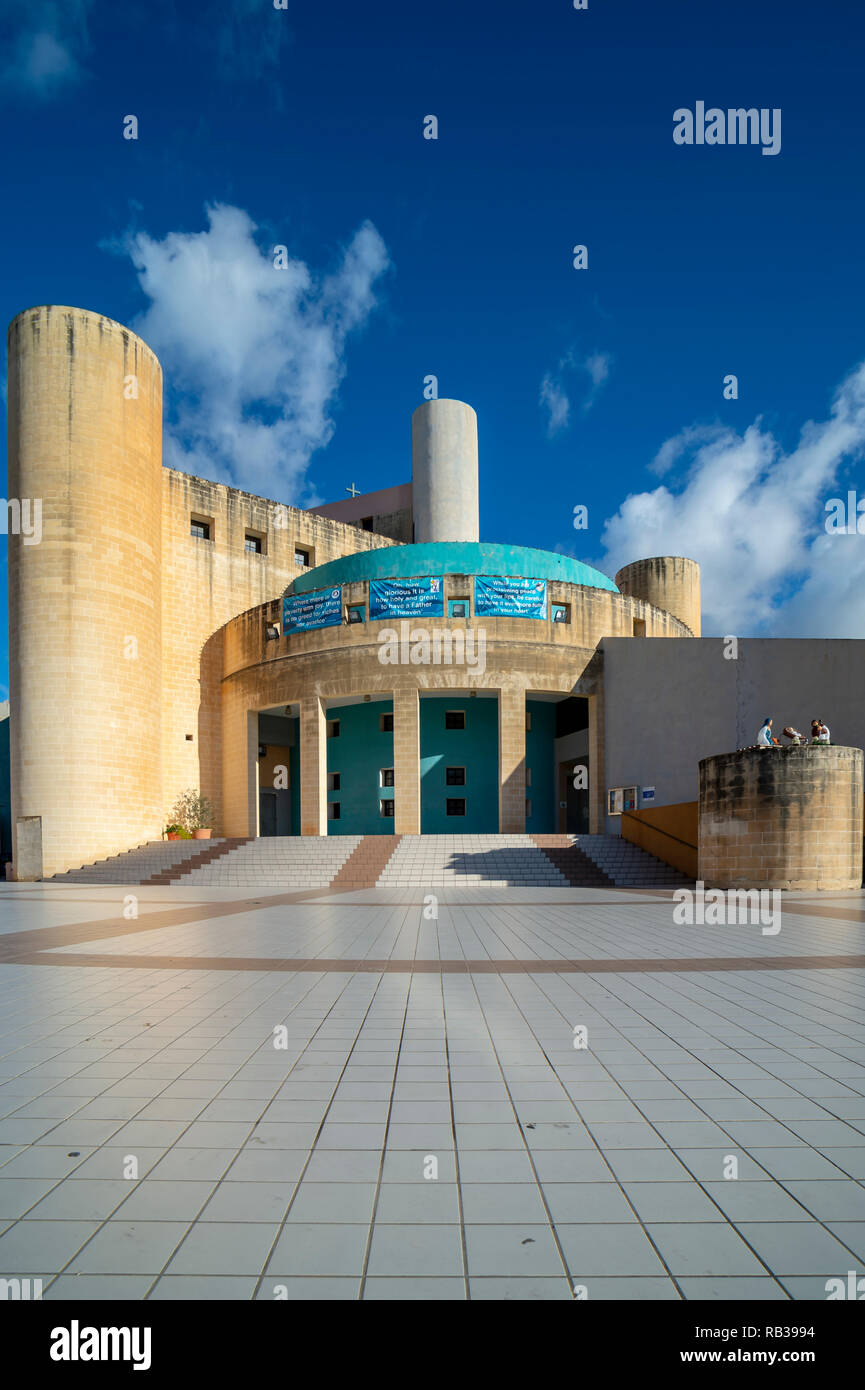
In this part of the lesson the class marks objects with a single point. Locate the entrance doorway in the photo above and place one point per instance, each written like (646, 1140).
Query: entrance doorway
(573, 801)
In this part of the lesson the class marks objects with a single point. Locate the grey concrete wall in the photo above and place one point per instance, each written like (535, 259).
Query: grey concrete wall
(672, 701)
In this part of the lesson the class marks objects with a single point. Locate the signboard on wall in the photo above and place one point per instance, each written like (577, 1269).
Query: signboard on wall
(648, 793)
(305, 612)
(405, 598)
(499, 597)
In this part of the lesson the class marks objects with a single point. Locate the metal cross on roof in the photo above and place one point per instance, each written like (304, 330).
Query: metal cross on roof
(355, 491)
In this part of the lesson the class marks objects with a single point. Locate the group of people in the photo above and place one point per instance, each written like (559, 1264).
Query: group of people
(766, 739)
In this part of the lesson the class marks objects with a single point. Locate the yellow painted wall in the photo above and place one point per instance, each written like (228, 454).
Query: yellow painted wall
(667, 832)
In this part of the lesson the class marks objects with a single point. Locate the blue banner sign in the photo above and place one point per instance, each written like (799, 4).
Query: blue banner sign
(305, 612)
(405, 598)
(499, 597)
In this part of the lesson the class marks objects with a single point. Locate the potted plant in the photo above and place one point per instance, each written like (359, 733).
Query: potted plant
(173, 832)
(194, 813)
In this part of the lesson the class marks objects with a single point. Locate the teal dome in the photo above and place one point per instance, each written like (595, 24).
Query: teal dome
(450, 557)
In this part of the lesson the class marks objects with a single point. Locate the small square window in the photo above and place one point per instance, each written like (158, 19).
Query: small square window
(333, 809)
(455, 719)
(561, 613)
(386, 776)
(458, 607)
(252, 544)
(333, 781)
(199, 529)
(455, 806)
(366, 523)
(333, 728)
(455, 776)
(355, 615)
(385, 723)
(302, 557)
(386, 808)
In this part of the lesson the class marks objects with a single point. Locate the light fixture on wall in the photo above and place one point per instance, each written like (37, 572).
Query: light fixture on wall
(262, 750)
(366, 699)
(272, 632)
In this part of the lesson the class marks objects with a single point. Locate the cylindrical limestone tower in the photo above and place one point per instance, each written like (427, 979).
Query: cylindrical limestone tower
(444, 440)
(670, 582)
(782, 818)
(85, 442)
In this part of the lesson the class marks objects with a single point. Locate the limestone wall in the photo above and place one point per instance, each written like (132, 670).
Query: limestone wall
(85, 438)
(782, 818)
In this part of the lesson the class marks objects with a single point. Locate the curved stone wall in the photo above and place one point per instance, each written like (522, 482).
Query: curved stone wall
(671, 582)
(85, 441)
(782, 818)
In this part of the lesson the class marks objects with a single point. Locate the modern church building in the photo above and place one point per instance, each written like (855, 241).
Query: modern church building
(367, 667)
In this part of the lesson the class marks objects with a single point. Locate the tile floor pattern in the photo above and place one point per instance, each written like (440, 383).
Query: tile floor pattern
(302, 1171)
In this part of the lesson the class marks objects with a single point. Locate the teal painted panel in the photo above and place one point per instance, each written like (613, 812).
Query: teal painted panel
(358, 755)
(446, 557)
(476, 748)
(540, 757)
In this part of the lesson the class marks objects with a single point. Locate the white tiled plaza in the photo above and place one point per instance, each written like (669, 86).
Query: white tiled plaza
(311, 1094)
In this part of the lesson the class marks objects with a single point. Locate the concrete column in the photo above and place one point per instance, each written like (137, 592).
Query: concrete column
(406, 762)
(512, 762)
(313, 766)
(444, 440)
(239, 769)
(597, 767)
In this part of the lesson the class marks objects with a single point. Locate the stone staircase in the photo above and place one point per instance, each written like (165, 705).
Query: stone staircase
(289, 862)
(351, 862)
(465, 861)
(628, 866)
(145, 863)
(573, 864)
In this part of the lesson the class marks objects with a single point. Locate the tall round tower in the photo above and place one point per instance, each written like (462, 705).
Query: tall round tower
(444, 440)
(85, 449)
(670, 582)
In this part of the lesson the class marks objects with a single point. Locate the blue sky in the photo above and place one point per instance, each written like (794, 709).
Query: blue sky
(303, 127)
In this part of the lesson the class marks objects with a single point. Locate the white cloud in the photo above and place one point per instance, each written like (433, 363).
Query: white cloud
(754, 518)
(45, 42)
(554, 396)
(597, 364)
(255, 354)
(248, 40)
(556, 402)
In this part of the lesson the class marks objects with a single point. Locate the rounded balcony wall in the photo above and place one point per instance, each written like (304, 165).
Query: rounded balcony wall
(511, 644)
